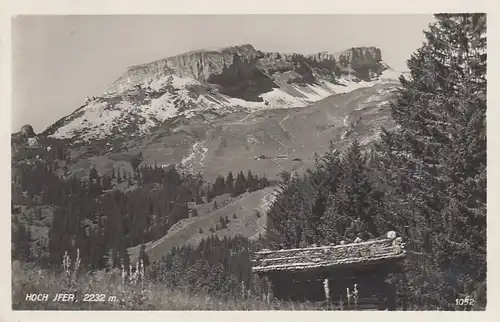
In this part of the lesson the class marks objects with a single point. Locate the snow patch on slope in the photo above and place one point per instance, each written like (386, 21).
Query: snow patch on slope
(197, 155)
(96, 117)
(267, 201)
(170, 96)
(279, 98)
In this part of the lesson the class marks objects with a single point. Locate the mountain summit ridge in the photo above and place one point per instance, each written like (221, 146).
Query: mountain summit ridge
(202, 63)
(230, 79)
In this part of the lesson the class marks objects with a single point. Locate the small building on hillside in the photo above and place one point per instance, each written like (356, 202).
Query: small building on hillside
(327, 273)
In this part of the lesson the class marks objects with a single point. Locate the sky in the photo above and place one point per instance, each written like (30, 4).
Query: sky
(58, 61)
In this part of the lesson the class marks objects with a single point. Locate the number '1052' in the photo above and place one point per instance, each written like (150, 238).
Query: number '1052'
(465, 301)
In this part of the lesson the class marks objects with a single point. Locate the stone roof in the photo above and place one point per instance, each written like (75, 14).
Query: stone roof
(329, 256)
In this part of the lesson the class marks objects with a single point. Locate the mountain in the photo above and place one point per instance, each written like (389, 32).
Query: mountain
(220, 82)
(214, 111)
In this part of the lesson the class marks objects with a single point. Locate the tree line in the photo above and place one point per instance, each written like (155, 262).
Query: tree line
(237, 186)
(101, 221)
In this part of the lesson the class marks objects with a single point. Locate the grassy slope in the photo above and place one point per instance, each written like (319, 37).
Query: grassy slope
(142, 296)
(186, 231)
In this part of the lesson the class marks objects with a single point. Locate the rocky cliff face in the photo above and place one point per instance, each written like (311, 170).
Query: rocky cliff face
(238, 78)
(198, 65)
(369, 56)
(363, 62)
(245, 62)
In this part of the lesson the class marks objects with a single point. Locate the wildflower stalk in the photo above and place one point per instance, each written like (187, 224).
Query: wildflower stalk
(141, 273)
(327, 293)
(123, 273)
(66, 263)
(77, 262)
(136, 272)
(355, 295)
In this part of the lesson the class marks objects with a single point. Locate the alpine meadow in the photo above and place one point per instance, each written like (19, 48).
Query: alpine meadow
(239, 179)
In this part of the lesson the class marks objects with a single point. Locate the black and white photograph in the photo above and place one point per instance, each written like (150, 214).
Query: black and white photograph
(332, 162)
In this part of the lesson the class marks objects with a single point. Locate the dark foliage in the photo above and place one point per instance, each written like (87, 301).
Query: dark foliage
(427, 180)
(216, 266)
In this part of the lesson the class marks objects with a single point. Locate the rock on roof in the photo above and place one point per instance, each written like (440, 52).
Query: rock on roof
(328, 256)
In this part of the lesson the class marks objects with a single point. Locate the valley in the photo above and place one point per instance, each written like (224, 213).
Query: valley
(239, 178)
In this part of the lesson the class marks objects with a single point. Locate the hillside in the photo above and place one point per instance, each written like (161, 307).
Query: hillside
(264, 141)
(247, 223)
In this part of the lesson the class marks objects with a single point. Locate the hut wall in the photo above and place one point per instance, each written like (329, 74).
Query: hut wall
(373, 290)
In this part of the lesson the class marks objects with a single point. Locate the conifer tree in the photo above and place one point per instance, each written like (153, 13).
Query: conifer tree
(288, 216)
(198, 198)
(219, 186)
(240, 185)
(210, 194)
(93, 175)
(435, 164)
(229, 182)
(263, 183)
(251, 182)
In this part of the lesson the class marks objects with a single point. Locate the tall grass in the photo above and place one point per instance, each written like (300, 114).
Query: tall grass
(133, 292)
(129, 289)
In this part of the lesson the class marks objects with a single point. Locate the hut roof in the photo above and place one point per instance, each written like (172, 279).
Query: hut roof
(328, 256)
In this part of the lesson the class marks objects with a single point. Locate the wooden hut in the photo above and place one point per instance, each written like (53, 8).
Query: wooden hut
(327, 273)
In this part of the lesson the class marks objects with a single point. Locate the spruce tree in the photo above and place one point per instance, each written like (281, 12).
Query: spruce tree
(93, 175)
(288, 217)
(435, 164)
(240, 185)
(229, 182)
(263, 183)
(251, 182)
(219, 186)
